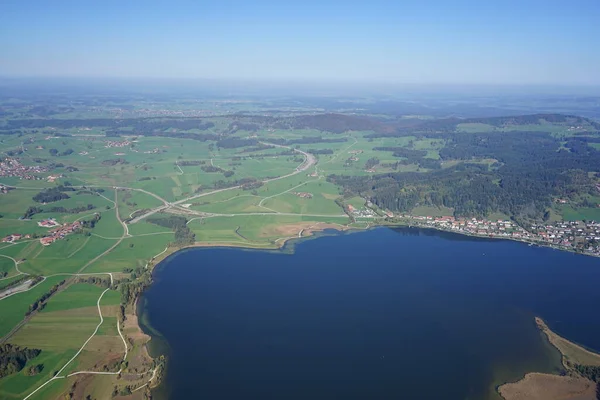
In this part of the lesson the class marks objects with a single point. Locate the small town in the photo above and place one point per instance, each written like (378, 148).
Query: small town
(581, 236)
(11, 167)
(60, 233)
(113, 143)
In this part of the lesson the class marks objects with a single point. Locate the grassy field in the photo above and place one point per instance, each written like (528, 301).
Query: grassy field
(13, 308)
(570, 214)
(151, 171)
(60, 330)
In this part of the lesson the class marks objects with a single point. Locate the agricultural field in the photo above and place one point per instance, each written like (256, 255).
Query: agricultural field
(92, 199)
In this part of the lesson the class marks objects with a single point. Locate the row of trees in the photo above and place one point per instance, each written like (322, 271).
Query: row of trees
(40, 303)
(32, 210)
(95, 280)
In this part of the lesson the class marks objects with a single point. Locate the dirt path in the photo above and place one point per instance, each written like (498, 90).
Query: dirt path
(309, 161)
(71, 280)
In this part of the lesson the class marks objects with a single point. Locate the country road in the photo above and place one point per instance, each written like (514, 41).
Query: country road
(309, 161)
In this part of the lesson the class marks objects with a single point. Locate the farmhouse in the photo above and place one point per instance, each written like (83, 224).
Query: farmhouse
(48, 223)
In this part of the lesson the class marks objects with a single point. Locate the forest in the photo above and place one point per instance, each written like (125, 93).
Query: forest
(51, 195)
(183, 234)
(13, 358)
(531, 169)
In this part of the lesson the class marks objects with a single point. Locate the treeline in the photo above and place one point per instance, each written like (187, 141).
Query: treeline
(74, 210)
(52, 194)
(211, 169)
(191, 163)
(532, 168)
(533, 119)
(471, 189)
(203, 137)
(14, 283)
(244, 183)
(13, 358)
(411, 156)
(56, 153)
(450, 125)
(320, 151)
(242, 126)
(130, 290)
(114, 161)
(371, 162)
(335, 123)
(96, 281)
(137, 124)
(32, 210)
(91, 223)
(234, 142)
(183, 234)
(307, 140)
(40, 303)
(589, 372)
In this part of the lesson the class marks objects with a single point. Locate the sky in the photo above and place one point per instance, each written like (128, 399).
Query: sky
(500, 42)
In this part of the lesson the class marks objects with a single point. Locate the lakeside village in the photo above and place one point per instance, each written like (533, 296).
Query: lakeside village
(58, 232)
(580, 236)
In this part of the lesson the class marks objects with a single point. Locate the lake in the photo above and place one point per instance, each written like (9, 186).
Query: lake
(380, 314)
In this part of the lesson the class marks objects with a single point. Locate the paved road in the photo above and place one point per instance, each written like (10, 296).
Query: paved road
(309, 161)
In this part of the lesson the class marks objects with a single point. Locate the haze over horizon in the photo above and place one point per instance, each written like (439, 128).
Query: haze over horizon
(449, 43)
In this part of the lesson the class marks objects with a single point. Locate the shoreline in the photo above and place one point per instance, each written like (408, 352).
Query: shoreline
(156, 261)
(491, 237)
(282, 243)
(544, 386)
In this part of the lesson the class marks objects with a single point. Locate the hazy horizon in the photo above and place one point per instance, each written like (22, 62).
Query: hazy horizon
(379, 42)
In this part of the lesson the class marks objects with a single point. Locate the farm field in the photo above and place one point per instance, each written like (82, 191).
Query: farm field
(90, 203)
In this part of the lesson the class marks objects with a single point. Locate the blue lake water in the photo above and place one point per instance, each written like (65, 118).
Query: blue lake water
(381, 314)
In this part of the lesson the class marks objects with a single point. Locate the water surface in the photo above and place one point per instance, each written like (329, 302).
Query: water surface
(382, 314)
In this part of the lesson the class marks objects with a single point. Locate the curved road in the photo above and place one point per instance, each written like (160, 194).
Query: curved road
(309, 161)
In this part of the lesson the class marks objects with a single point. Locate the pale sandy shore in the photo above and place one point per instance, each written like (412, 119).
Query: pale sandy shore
(538, 386)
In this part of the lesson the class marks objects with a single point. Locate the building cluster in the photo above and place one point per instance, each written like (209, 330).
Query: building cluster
(116, 143)
(304, 195)
(11, 167)
(60, 233)
(48, 223)
(582, 236)
(14, 237)
(119, 112)
(361, 212)
(53, 178)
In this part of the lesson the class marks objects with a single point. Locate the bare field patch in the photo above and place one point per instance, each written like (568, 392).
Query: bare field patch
(536, 386)
(300, 229)
(330, 196)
